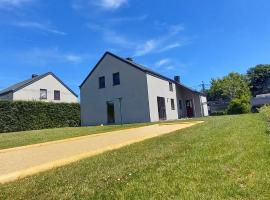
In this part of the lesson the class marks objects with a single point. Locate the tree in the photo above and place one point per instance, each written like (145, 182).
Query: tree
(232, 86)
(259, 78)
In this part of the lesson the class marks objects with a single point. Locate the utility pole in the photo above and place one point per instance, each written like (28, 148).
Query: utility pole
(203, 87)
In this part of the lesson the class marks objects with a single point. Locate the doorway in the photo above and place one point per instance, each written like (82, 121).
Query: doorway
(161, 108)
(189, 107)
(110, 113)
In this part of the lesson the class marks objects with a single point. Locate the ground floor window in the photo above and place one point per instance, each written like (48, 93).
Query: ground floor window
(172, 104)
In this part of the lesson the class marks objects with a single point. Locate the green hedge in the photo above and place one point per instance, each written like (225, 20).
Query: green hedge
(22, 115)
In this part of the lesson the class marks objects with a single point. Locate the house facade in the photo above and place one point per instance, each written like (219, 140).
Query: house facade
(119, 91)
(47, 87)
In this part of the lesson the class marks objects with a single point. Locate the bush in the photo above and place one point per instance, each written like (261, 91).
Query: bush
(218, 113)
(239, 105)
(26, 115)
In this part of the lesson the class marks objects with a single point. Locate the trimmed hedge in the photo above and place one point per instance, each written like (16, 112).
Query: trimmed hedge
(33, 115)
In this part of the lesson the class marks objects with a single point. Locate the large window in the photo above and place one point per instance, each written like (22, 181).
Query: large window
(172, 104)
(102, 82)
(43, 94)
(116, 78)
(56, 95)
(171, 86)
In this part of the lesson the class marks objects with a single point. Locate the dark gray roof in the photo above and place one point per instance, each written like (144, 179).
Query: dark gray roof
(20, 85)
(142, 68)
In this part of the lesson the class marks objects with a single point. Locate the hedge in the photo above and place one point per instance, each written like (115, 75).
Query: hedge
(33, 115)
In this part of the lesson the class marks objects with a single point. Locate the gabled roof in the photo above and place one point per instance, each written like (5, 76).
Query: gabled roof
(20, 85)
(141, 68)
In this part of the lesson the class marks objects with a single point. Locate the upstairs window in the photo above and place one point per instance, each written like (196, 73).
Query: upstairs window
(172, 104)
(43, 94)
(102, 82)
(171, 87)
(57, 95)
(116, 78)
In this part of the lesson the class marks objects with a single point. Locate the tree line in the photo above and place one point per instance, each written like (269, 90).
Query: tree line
(237, 89)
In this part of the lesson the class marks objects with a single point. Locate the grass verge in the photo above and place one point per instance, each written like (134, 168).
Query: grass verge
(227, 157)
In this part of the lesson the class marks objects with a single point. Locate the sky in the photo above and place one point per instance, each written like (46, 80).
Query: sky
(197, 40)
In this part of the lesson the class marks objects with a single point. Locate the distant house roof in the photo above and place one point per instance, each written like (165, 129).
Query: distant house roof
(20, 85)
(139, 67)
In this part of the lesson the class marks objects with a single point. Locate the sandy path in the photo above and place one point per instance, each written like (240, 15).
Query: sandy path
(19, 162)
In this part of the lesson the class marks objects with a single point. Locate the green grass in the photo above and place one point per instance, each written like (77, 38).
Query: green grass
(227, 157)
(16, 139)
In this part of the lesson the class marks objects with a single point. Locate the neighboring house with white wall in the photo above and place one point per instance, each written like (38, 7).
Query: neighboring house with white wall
(118, 91)
(47, 87)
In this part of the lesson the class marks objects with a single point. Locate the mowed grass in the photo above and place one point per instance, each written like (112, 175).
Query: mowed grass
(16, 139)
(227, 157)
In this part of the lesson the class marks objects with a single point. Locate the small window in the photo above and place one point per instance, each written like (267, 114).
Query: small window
(102, 82)
(43, 94)
(171, 87)
(116, 78)
(56, 95)
(180, 104)
(172, 104)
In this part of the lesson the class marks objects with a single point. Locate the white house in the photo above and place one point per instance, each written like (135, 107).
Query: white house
(47, 87)
(118, 91)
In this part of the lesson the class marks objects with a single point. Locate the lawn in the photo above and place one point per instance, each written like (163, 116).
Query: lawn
(15, 139)
(227, 157)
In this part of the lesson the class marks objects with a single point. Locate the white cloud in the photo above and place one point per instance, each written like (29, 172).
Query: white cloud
(111, 4)
(147, 47)
(170, 46)
(43, 57)
(14, 3)
(162, 62)
(39, 26)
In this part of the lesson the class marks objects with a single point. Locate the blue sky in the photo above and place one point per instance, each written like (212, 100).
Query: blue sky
(195, 39)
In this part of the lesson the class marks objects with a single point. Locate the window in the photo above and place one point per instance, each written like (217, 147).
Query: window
(171, 87)
(43, 94)
(116, 78)
(180, 104)
(102, 82)
(56, 95)
(172, 104)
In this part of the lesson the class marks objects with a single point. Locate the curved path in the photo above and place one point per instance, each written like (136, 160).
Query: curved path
(23, 161)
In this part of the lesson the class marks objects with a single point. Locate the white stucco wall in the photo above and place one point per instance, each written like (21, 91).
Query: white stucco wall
(8, 97)
(160, 88)
(32, 91)
(204, 106)
(132, 90)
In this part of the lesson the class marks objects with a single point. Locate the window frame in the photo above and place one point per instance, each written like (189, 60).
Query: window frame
(101, 85)
(114, 80)
(172, 104)
(46, 94)
(171, 86)
(54, 95)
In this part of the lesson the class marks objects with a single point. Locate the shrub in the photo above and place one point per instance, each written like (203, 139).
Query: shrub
(239, 105)
(33, 115)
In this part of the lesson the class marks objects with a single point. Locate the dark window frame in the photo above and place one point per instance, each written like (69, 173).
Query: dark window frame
(40, 95)
(101, 82)
(171, 86)
(57, 98)
(116, 81)
(172, 104)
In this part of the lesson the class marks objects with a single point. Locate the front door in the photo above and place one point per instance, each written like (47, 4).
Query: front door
(110, 113)
(189, 107)
(161, 108)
